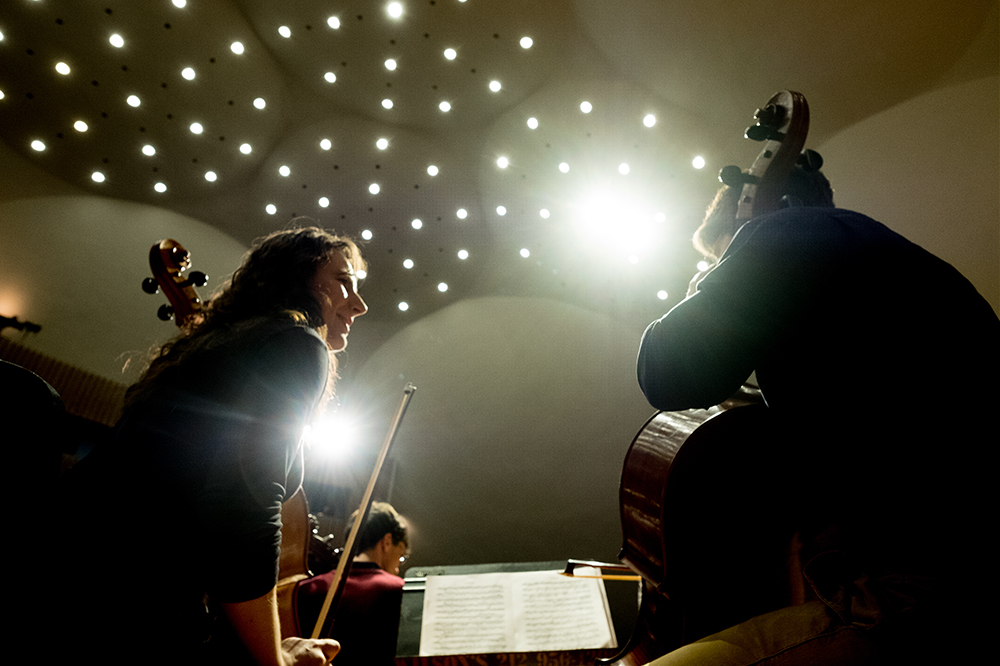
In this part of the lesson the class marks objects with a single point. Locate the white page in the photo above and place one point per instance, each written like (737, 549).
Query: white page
(532, 611)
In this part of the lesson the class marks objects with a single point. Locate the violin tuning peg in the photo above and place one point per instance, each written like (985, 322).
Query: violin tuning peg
(166, 313)
(198, 279)
(150, 285)
(733, 176)
(810, 160)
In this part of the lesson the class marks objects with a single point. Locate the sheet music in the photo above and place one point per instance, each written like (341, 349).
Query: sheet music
(530, 611)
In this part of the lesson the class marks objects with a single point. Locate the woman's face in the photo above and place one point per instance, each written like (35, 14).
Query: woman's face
(335, 287)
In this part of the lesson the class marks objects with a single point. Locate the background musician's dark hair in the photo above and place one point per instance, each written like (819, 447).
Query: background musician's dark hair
(382, 520)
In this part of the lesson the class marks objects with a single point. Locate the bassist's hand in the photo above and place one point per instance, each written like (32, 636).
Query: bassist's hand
(308, 651)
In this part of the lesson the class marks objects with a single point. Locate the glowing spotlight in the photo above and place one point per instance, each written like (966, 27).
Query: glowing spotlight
(333, 22)
(116, 40)
(237, 48)
(586, 107)
(442, 287)
(450, 54)
(525, 252)
(285, 31)
(211, 176)
(526, 42)
(323, 202)
(404, 306)
(495, 86)
(649, 120)
(703, 266)
(387, 103)
(501, 210)
(532, 123)
(188, 73)
(698, 162)
(367, 234)
(246, 148)
(330, 77)
(38, 145)
(503, 162)
(461, 213)
(362, 274)
(133, 100)
(374, 188)
(432, 170)
(97, 177)
(180, 4)
(284, 170)
(271, 209)
(390, 64)
(623, 169)
(334, 437)
(196, 128)
(382, 144)
(544, 213)
(80, 126)
(62, 68)
(463, 254)
(445, 106)
(662, 294)
(564, 167)
(394, 9)
(407, 263)
(160, 187)
(417, 223)
(259, 103)
(148, 150)
(326, 144)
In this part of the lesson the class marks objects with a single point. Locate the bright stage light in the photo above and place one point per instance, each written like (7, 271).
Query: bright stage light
(333, 437)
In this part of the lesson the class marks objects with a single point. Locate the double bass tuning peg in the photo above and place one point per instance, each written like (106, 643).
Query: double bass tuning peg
(769, 118)
(810, 160)
(733, 176)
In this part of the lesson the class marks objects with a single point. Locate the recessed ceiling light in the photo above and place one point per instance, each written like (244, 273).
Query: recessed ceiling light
(333, 22)
(698, 162)
(387, 103)
(326, 144)
(97, 177)
(367, 234)
(533, 123)
(148, 150)
(564, 167)
(404, 306)
(417, 223)
(180, 4)
(62, 68)
(495, 86)
(38, 145)
(382, 144)
(210, 176)
(525, 252)
(246, 148)
(450, 54)
(237, 48)
(196, 128)
(116, 40)
(502, 162)
(463, 254)
(133, 100)
(259, 103)
(160, 187)
(285, 31)
(501, 210)
(442, 287)
(390, 64)
(324, 202)
(80, 126)
(432, 170)
(330, 77)
(544, 213)
(271, 209)
(462, 213)
(445, 106)
(395, 9)
(526, 42)
(662, 294)
(284, 171)
(586, 107)
(407, 263)
(374, 188)
(188, 73)
(623, 169)
(649, 120)
(362, 274)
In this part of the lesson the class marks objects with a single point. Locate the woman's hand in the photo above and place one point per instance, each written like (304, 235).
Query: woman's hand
(308, 651)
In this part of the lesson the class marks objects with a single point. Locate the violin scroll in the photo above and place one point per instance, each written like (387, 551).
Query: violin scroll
(169, 261)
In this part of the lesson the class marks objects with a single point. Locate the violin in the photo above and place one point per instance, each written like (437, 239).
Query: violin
(169, 261)
(691, 480)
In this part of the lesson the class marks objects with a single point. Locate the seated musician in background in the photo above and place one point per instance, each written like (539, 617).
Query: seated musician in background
(367, 620)
(176, 522)
(877, 358)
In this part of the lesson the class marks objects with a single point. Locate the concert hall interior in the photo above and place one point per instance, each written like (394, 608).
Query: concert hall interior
(524, 179)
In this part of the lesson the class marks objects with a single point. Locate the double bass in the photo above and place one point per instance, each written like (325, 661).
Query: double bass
(691, 479)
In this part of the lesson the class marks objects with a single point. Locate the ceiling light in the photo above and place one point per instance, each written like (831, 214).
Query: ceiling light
(116, 41)
(382, 144)
(180, 4)
(450, 54)
(387, 103)
(367, 234)
(526, 42)
(246, 148)
(133, 100)
(649, 120)
(333, 22)
(374, 188)
(564, 167)
(284, 171)
(533, 123)
(698, 162)
(432, 170)
(237, 48)
(544, 213)
(501, 210)
(188, 73)
(80, 126)
(390, 64)
(407, 263)
(660, 217)
(160, 187)
(97, 177)
(395, 9)
(284, 31)
(62, 68)
(442, 287)
(502, 162)
(330, 77)
(623, 169)
(196, 128)
(586, 107)
(326, 144)
(210, 176)
(525, 252)
(1, 94)
(417, 224)
(324, 202)
(271, 209)
(259, 103)
(445, 106)
(404, 306)
(495, 86)
(463, 254)
(462, 213)
(662, 294)
(38, 145)
(148, 150)
(362, 274)
(633, 259)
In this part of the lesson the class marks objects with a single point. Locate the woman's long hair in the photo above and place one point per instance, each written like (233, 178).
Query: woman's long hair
(274, 282)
